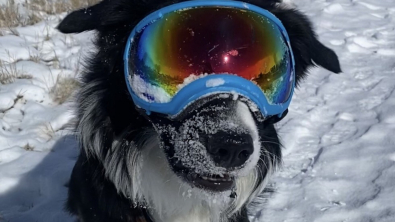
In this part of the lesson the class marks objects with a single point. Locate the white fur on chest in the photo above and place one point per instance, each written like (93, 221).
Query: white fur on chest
(172, 200)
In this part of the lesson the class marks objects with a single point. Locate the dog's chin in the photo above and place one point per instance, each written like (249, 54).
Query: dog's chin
(210, 183)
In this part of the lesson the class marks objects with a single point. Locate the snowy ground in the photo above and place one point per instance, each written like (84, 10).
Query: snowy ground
(339, 157)
(36, 155)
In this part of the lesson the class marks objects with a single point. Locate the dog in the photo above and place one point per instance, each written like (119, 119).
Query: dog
(127, 170)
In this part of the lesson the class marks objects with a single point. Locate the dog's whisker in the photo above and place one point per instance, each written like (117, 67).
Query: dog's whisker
(271, 142)
(264, 163)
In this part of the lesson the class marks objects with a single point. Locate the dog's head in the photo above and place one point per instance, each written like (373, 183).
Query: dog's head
(218, 146)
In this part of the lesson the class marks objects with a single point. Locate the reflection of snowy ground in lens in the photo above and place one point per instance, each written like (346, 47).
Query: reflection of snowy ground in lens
(339, 156)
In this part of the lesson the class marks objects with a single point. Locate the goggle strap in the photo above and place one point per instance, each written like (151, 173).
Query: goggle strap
(277, 118)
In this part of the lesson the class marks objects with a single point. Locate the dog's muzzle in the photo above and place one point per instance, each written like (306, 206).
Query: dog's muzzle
(228, 149)
(209, 142)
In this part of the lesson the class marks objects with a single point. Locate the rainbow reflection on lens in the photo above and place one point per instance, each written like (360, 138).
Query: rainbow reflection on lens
(187, 44)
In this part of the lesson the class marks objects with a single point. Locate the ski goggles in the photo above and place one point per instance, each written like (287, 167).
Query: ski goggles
(189, 50)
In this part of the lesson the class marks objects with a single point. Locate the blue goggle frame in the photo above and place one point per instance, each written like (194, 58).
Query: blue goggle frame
(198, 88)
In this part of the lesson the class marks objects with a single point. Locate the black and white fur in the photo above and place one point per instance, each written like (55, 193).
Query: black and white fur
(125, 170)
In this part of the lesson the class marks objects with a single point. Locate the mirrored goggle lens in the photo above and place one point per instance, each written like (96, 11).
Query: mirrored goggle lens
(187, 44)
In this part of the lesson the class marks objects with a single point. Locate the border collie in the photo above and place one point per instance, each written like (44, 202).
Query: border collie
(124, 173)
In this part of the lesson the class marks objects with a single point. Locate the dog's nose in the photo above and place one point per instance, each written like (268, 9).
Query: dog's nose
(230, 150)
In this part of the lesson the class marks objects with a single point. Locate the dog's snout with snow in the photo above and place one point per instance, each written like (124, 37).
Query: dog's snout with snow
(229, 149)
(213, 142)
(230, 144)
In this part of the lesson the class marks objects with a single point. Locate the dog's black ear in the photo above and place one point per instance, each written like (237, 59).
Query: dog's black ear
(324, 57)
(108, 13)
(308, 51)
(85, 19)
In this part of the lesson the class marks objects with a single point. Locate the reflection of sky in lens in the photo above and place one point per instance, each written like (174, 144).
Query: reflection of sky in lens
(213, 40)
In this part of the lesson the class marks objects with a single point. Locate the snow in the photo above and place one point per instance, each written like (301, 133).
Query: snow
(189, 79)
(6, 101)
(37, 152)
(338, 135)
(215, 82)
(151, 93)
(147, 91)
(339, 156)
